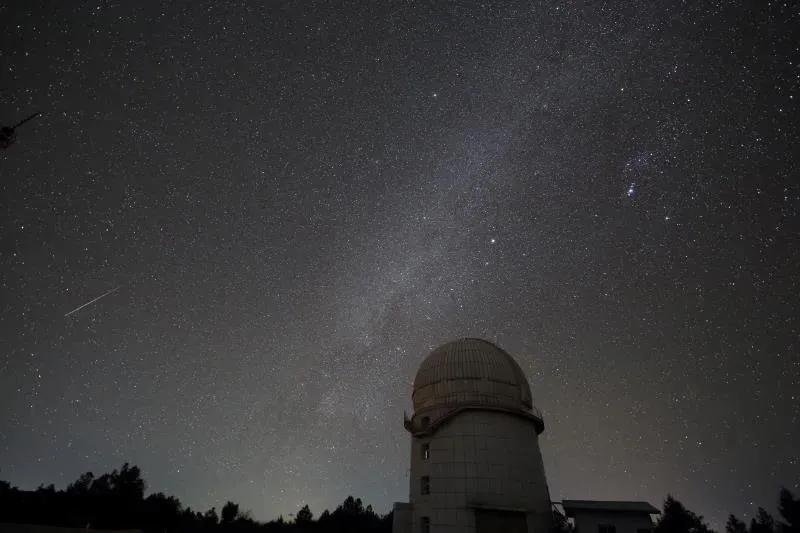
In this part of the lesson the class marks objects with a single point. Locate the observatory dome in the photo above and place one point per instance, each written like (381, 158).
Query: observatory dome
(470, 373)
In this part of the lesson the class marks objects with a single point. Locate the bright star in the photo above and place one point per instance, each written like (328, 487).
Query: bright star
(631, 190)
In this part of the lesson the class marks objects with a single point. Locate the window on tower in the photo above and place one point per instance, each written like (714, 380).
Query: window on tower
(606, 528)
(425, 524)
(425, 488)
(426, 451)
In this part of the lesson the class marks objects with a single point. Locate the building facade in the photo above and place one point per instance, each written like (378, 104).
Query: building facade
(475, 459)
(591, 516)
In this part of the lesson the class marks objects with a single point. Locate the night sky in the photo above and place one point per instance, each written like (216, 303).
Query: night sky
(295, 202)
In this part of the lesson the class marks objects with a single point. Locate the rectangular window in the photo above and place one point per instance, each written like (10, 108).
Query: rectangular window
(644, 530)
(425, 488)
(606, 528)
(425, 524)
(426, 451)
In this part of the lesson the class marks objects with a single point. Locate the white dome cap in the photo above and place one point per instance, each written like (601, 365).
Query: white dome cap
(471, 372)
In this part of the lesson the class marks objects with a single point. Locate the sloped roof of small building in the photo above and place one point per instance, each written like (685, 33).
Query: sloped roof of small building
(572, 506)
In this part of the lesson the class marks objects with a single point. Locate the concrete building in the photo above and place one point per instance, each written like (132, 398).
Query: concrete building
(610, 517)
(475, 460)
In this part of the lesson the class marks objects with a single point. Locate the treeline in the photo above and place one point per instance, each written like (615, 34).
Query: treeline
(675, 518)
(117, 501)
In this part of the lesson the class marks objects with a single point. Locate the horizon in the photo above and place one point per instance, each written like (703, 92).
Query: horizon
(771, 508)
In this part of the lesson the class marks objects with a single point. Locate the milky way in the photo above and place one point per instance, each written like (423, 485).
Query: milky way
(301, 200)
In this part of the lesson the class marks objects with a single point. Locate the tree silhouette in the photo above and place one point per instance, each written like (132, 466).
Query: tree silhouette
(128, 483)
(762, 523)
(789, 507)
(210, 519)
(230, 511)
(161, 512)
(82, 485)
(678, 519)
(351, 506)
(734, 525)
(304, 516)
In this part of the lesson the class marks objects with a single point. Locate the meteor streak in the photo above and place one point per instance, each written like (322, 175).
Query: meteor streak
(90, 302)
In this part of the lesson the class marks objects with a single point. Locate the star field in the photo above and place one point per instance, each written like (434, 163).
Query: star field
(298, 201)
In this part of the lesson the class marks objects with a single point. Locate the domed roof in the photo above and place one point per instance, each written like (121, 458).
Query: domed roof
(471, 372)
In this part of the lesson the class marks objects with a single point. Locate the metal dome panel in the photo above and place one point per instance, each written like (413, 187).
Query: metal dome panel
(470, 372)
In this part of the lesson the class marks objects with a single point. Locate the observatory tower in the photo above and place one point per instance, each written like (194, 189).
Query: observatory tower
(475, 459)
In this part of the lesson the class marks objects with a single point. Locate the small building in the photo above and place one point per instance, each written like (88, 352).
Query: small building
(592, 516)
